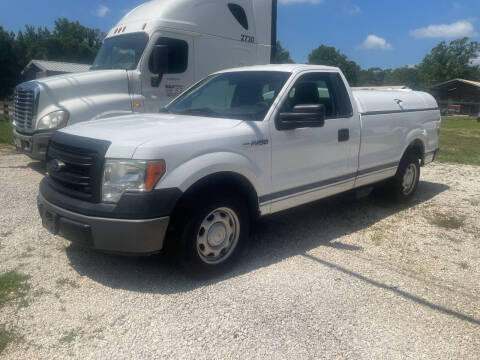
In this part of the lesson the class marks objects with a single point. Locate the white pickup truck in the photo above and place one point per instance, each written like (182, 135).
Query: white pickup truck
(239, 144)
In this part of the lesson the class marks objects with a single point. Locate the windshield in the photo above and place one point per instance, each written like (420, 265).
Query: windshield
(121, 52)
(243, 95)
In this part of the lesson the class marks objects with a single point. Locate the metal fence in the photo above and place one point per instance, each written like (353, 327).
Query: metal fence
(6, 110)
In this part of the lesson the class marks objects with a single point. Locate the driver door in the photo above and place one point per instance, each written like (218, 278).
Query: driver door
(311, 163)
(176, 79)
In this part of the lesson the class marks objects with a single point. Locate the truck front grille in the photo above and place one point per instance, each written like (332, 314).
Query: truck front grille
(75, 165)
(73, 175)
(25, 104)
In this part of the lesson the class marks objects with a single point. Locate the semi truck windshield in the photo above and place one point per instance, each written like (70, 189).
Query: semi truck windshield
(121, 52)
(244, 95)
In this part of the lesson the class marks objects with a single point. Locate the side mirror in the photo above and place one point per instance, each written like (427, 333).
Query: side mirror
(159, 63)
(302, 116)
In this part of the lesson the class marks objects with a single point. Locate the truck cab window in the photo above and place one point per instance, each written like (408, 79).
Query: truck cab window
(320, 88)
(121, 52)
(239, 14)
(177, 55)
(245, 95)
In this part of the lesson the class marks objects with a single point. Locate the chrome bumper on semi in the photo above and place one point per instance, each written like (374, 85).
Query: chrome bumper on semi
(34, 145)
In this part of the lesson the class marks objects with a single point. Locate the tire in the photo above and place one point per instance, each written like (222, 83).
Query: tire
(211, 233)
(405, 183)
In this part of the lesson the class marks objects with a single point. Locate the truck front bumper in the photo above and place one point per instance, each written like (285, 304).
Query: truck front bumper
(33, 145)
(137, 237)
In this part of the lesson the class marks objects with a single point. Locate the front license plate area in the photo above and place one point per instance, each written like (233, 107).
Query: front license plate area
(51, 222)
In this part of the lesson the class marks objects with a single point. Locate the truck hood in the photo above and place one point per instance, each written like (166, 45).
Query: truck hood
(85, 96)
(127, 133)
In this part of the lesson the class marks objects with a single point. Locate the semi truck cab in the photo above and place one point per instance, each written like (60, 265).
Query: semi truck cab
(153, 54)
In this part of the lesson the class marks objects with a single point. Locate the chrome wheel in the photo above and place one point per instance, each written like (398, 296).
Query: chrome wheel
(218, 236)
(409, 179)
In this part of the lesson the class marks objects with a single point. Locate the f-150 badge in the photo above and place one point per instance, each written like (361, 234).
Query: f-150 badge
(256, 143)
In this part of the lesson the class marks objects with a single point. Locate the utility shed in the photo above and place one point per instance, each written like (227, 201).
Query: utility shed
(37, 69)
(460, 94)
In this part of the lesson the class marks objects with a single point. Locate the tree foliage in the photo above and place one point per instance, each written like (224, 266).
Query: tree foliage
(450, 61)
(408, 76)
(72, 42)
(69, 41)
(281, 56)
(328, 55)
(8, 63)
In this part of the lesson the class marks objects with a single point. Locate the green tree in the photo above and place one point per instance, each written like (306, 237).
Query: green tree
(281, 56)
(328, 55)
(69, 41)
(451, 60)
(9, 67)
(73, 42)
(372, 77)
(32, 44)
(408, 76)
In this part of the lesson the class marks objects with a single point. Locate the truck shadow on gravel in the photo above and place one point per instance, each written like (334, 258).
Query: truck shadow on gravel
(275, 238)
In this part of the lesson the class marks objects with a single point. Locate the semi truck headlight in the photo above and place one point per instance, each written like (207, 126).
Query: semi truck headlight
(54, 120)
(120, 176)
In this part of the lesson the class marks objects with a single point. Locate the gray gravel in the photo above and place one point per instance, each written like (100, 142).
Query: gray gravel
(341, 278)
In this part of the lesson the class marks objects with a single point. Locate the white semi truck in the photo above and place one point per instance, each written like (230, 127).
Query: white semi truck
(154, 53)
(239, 144)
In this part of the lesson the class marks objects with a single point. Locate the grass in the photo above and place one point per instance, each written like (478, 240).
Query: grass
(69, 336)
(6, 135)
(13, 286)
(474, 202)
(446, 221)
(460, 140)
(377, 238)
(67, 282)
(6, 337)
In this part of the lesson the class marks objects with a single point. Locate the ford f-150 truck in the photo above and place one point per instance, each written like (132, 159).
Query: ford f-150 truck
(238, 144)
(154, 53)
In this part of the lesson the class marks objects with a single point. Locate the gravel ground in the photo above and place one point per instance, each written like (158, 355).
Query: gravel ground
(341, 278)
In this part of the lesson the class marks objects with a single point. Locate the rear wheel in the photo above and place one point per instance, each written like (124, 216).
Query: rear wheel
(213, 231)
(405, 183)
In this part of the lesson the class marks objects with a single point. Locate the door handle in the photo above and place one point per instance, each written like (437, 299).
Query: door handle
(343, 135)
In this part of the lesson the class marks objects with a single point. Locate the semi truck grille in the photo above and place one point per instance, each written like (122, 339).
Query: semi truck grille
(25, 103)
(75, 166)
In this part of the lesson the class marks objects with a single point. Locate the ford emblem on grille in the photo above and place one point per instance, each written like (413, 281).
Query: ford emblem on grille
(55, 165)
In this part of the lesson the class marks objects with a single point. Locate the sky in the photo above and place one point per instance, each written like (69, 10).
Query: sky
(374, 33)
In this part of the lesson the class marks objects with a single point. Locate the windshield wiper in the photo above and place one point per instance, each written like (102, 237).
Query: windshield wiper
(165, 110)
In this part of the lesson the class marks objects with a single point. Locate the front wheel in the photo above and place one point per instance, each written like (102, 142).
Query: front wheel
(215, 228)
(405, 183)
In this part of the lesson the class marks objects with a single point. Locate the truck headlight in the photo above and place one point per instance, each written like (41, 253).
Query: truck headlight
(120, 176)
(54, 120)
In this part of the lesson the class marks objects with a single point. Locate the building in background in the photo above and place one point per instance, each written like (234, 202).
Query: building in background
(37, 69)
(458, 96)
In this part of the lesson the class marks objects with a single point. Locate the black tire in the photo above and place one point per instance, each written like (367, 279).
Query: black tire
(402, 188)
(189, 225)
